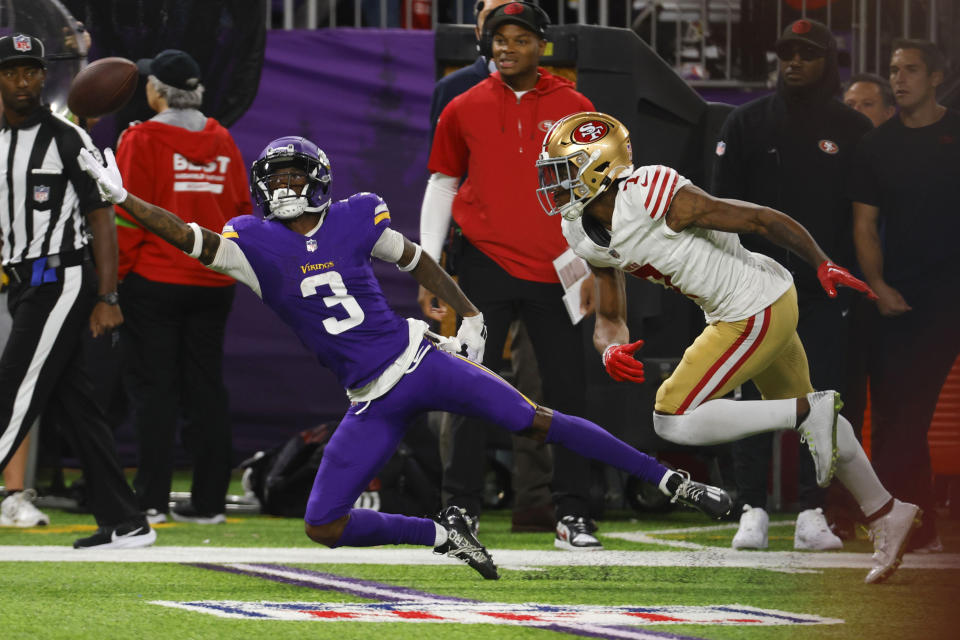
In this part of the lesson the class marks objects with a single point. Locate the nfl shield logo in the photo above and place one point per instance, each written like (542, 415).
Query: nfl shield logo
(311, 245)
(41, 194)
(22, 43)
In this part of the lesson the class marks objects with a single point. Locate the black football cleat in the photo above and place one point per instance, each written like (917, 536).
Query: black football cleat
(712, 501)
(463, 544)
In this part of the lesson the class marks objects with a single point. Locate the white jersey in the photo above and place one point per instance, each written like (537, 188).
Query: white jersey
(710, 267)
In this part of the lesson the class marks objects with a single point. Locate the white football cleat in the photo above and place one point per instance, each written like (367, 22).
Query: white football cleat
(890, 534)
(752, 533)
(17, 510)
(819, 431)
(813, 533)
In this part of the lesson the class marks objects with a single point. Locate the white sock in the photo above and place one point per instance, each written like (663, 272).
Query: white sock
(855, 471)
(441, 536)
(663, 483)
(719, 421)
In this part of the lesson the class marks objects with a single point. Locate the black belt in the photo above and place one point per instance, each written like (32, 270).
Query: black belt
(37, 271)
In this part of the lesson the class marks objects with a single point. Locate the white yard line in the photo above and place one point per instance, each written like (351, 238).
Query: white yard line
(506, 558)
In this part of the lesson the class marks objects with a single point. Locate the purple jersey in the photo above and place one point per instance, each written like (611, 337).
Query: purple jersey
(322, 286)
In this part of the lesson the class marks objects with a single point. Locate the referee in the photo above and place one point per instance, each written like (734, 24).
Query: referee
(49, 212)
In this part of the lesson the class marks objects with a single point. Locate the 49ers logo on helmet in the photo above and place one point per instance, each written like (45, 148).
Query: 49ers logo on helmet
(590, 132)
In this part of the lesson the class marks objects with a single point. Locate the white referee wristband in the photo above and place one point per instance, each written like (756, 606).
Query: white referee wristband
(197, 240)
(415, 261)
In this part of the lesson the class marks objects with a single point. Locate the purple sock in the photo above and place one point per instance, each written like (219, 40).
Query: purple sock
(591, 441)
(368, 528)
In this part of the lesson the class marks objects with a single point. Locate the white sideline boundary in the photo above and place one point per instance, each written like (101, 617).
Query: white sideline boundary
(707, 557)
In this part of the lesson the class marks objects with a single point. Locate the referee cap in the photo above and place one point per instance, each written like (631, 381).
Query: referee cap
(20, 47)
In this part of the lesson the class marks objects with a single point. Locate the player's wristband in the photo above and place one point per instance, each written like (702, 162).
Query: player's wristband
(415, 261)
(197, 240)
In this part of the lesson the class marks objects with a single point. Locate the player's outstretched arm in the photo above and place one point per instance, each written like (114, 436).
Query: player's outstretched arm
(153, 218)
(433, 278)
(693, 207)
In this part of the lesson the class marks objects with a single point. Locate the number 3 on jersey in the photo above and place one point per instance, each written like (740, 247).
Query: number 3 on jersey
(332, 279)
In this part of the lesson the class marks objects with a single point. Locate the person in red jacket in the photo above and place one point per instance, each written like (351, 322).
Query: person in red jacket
(175, 309)
(492, 134)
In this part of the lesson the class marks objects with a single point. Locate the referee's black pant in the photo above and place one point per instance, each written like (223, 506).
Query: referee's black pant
(173, 367)
(558, 346)
(41, 372)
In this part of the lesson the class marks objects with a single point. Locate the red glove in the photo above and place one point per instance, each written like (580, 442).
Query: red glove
(831, 276)
(620, 363)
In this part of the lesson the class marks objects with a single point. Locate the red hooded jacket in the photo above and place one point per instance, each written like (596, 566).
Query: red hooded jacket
(495, 139)
(198, 175)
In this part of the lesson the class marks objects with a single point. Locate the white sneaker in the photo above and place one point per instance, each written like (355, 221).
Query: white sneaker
(813, 533)
(890, 535)
(155, 517)
(17, 510)
(752, 533)
(819, 431)
(934, 546)
(575, 534)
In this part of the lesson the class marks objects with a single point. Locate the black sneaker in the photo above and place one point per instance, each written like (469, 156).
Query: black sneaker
(127, 535)
(189, 513)
(712, 501)
(462, 543)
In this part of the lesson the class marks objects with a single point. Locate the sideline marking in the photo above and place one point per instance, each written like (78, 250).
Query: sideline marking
(710, 557)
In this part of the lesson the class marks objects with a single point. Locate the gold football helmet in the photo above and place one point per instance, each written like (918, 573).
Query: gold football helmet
(583, 154)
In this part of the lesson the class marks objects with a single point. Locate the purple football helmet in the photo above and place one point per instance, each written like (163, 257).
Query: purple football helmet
(277, 192)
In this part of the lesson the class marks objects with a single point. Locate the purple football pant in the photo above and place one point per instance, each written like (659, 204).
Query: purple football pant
(369, 434)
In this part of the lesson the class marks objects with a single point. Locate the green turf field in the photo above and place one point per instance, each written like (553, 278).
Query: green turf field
(646, 574)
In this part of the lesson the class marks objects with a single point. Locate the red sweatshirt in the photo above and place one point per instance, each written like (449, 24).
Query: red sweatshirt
(198, 175)
(494, 138)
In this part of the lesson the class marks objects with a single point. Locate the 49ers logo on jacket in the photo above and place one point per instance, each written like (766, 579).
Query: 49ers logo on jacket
(590, 132)
(828, 146)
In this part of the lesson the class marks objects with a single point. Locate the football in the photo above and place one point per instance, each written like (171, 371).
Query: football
(102, 87)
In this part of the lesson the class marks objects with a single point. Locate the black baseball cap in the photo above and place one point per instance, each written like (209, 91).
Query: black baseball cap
(808, 32)
(20, 47)
(525, 14)
(173, 67)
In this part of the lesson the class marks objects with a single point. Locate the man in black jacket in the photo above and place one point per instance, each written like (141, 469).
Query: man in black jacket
(791, 151)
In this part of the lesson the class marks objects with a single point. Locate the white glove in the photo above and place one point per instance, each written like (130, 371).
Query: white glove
(107, 177)
(473, 336)
(446, 343)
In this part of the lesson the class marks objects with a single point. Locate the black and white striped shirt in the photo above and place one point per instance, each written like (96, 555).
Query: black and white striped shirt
(44, 195)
